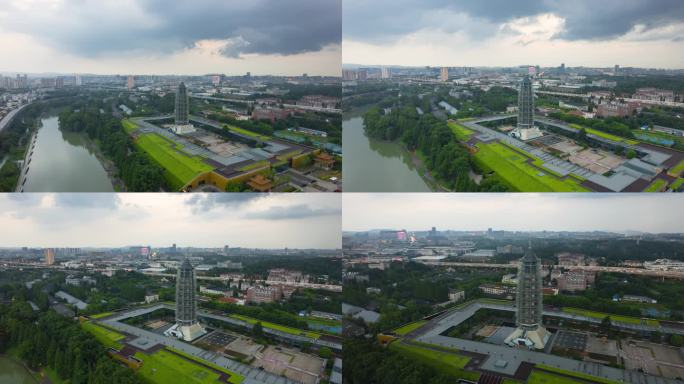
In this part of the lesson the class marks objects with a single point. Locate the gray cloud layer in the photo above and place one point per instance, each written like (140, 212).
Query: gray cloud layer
(92, 28)
(386, 20)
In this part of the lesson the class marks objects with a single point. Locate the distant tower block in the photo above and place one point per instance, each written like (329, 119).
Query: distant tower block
(187, 327)
(526, 129)
(530, 331)
(130, 83)
(49, 256)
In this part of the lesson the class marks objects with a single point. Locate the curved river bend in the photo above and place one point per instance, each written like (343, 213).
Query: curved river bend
(61, 162)
(376, 166)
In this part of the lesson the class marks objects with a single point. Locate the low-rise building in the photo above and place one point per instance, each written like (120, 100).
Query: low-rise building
(267, 294)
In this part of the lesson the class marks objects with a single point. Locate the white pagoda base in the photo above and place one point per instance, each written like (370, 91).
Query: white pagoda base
(532, 339)
(526, 134)
(186, 332)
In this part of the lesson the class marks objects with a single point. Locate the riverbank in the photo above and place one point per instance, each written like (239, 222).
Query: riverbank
(14, 371)
(372, 165)
(108, 165)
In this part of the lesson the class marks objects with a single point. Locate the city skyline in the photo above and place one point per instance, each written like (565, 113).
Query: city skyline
(547, 33)
(146, 37)
(512, 212)
(210, 220)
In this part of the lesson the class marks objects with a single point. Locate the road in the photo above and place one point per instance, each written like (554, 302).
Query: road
(10, 116)
(589, 268)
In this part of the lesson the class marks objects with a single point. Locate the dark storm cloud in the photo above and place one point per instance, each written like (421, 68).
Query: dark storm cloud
(300, 211)
(205, 202)
(87, 28)
(386, 20)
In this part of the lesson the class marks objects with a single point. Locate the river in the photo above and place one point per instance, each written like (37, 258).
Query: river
(12, 372)
(61, 162)
(376, 166)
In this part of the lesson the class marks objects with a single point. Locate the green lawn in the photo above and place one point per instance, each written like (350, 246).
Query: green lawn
(677, 183)
(166, 367)
(180, 168)
(278, 327)
(606, 135)
(103, 335)
(512, 168)
(446, 362)
(656, 185)
(583, 377)
(462, 133)
(601, 315)
(409, 327)
(677, 169)
(540, 377)
(235, 377)
(246, 132)
(101, 315)
(129, 126)
(255, 165)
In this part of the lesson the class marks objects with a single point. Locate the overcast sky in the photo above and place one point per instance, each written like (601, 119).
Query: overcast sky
(171, 37)
(308, 220)
(514, 211)
(645, 33)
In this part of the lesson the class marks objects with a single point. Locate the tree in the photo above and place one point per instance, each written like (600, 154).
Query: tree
(325, 352)
(676, 340)
(258, 330)
(631, 154)
(606, 326)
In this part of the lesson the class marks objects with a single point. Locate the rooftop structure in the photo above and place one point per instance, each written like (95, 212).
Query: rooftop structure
(530, 331)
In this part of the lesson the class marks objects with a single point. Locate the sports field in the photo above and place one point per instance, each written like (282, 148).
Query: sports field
(409, 327)
(605, 135)
(180, 168)
(166, 367)
(601, 315)
(512, 168)
(656, 185)
(103, 335)
(278, 327)
(462, 133)
(449, 363)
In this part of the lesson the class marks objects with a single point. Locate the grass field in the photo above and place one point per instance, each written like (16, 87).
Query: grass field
(235, 377)
(677, 169)
(103, 335)
(656, 185)
(409, 327)
(278, 327)
(601, 315)
(512, 168)
(180, 168)
(165, 367)
(541, 377)
(448, 363)
(462, 133)
(246, 132)
(606, 135)
(101, 315)
(129, 126)
(677, 183)
(583, 377)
